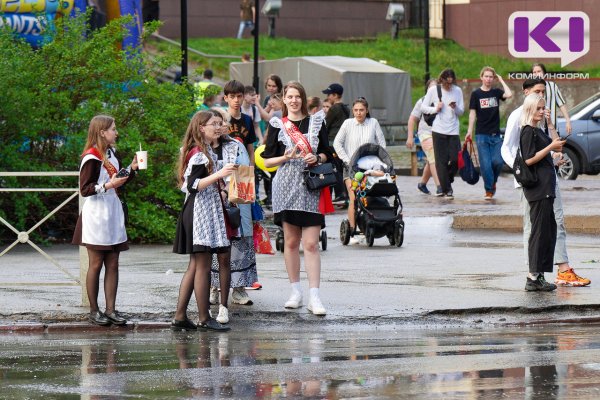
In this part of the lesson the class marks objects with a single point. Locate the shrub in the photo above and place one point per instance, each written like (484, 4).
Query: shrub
(49, 96)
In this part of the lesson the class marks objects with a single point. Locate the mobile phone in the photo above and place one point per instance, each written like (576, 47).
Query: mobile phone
(564, 138)
(123, 173)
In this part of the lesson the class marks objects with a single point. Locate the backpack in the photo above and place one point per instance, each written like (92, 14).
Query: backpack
(429, 118)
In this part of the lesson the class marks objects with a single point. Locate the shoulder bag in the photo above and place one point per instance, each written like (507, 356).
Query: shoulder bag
(524, 174)
(318, 176)
(429, 118)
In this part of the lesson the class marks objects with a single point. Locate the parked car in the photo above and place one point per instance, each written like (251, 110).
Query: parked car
(582, 149)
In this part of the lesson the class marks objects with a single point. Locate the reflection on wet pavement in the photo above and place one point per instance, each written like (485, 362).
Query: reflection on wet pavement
(514, 362)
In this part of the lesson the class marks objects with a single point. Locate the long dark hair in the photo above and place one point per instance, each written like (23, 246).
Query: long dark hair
(277, 80)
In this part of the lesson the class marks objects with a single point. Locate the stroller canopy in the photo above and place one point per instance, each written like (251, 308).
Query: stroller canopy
(370, 149)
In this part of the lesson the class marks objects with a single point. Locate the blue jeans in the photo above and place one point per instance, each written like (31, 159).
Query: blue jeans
(490, 159)
(243, 26)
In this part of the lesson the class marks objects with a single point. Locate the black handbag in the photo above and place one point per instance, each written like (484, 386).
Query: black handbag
(524, 174)
(319, 176)
(429, 118)
(234, 216)
(468, 173)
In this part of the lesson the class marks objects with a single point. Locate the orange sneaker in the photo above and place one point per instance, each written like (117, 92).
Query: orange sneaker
(570, 278)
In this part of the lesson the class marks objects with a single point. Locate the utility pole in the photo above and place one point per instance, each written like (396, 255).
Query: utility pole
(426, 17)
(256, 30)
(184, 40)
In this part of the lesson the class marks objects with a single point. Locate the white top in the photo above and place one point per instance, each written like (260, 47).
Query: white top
(352, 135)
(446, 121)
(554, 99)
(418, 113)
(252, 113)
(510, 145)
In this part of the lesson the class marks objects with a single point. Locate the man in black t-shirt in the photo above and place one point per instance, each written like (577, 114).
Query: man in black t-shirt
(337, 114)
(485, 108)
(241, 127)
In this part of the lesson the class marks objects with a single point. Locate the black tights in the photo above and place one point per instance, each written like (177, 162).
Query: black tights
(110, 260)
(197, 279)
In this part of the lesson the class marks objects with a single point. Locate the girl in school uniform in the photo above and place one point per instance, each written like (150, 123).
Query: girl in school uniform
(101, 225)
(201, 228)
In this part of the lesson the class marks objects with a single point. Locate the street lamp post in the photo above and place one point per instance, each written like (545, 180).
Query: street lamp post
(184, 40)
(256, 30)
(427, 74)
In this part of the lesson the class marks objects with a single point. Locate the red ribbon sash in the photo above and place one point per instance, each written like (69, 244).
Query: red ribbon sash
(107, 164)
(297, 137)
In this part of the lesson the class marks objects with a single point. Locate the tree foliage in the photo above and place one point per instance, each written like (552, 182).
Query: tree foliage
(48, 97)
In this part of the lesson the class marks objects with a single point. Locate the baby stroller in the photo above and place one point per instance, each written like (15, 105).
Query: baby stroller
(374, 184)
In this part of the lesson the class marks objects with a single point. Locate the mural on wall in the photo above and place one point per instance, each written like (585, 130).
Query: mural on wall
(31, 19)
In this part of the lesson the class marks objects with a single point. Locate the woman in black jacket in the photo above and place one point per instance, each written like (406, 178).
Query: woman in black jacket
(536, 148)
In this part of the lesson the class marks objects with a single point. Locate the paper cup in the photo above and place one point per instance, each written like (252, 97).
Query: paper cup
(142, 159)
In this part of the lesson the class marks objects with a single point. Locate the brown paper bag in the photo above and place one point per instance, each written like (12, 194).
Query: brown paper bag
(241, 186)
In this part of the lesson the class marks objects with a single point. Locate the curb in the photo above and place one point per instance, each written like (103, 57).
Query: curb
(586, 224)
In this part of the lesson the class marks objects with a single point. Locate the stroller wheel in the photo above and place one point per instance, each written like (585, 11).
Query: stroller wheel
(345, 232)
(398, 233)
(392, 237)
(370, 236)
(279, 241)
(323, 240)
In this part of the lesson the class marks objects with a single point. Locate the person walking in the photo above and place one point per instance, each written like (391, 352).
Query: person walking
(201, 226)
(335, 117)
(425, 138)
(293, 143)
(101, 224)
(445, 128)
(247, 16)
(241, 126)
(536, 148)
(355, 132)
(566, 275)
(484, 107)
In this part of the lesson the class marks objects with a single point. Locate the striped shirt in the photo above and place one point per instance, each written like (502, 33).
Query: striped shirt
(352, 135)
(554, 99)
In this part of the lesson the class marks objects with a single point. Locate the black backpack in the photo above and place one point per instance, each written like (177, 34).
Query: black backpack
(429, 118)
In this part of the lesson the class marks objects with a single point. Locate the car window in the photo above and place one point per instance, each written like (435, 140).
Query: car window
(583, 104)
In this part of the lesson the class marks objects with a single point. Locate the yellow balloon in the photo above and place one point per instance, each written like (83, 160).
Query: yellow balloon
(259, 161)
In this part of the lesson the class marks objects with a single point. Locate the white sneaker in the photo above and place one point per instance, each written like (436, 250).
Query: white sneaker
(295, 300)
(239, 296)
(223, 316)
(214, 295)
(353, 240)
(315, 306)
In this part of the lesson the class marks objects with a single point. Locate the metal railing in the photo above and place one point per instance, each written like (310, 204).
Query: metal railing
(191, 50)
(24, 236)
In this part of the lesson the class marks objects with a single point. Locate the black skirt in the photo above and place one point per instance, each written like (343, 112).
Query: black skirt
(299, 218)
(184, 235)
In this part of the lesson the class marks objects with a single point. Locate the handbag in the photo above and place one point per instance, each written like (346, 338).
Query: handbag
(320, 176)
(241, 186)
(523, 173)
(429, 118)
(467, 170)
(232, 215)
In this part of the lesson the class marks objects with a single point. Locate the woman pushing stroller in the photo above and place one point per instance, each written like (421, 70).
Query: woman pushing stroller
(362, 129)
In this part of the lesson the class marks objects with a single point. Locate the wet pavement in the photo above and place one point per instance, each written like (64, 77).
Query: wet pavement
(490, 363)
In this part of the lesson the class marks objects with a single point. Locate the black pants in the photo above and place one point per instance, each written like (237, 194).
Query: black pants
(445, 150)
(339, 189)
(543, 235)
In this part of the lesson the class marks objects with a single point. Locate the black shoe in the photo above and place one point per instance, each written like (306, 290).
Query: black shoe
(98, 318)
(539, 285)
(212, 325)
(449, 194)
(185, 325)
(340, 200)
(116, 318)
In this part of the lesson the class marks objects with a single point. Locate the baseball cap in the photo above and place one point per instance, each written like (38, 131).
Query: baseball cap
(334, 88)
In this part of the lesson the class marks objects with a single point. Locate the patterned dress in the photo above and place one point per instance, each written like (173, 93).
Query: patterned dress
(243, 257)
(292, 201)
(201, 224)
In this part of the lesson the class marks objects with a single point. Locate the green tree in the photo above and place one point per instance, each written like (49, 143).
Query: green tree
(49, 96)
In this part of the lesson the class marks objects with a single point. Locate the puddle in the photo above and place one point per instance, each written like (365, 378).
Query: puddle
(541, 363)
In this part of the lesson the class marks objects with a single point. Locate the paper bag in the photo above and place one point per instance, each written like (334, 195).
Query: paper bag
(241, 186)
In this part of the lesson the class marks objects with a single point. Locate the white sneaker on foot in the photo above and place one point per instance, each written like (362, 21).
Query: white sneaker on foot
(214, 295)
(315, 306)
(295, 300)
(223, 316)
(353, 240)
(239, 296)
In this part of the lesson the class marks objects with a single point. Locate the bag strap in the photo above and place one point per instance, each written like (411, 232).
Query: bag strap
(472, 151)
(439, 91)
(296, 136)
